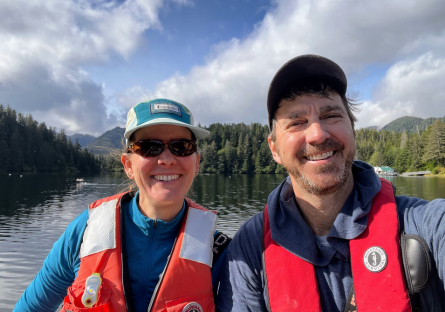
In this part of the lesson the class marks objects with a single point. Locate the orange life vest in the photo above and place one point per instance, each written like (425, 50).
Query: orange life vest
(186, 282)
(292, 285)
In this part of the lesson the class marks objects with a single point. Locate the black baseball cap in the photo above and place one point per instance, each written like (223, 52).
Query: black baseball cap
(308, 66)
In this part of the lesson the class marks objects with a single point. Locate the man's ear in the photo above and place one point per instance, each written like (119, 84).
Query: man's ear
(274, 149)
(126, 162)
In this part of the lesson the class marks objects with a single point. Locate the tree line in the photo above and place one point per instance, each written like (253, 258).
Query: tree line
(237, 148)
(26, 145)
(404, 152)
(241, 148)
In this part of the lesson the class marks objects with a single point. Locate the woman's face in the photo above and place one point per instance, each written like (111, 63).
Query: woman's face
(163, 180)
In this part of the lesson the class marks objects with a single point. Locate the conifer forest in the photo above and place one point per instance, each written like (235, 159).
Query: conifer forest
(26, 145)
(240, 148)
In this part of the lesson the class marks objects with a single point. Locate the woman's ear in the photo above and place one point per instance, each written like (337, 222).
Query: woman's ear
(126, 162)
(198, 159)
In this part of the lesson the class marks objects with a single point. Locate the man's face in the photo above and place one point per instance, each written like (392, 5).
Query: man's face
(314, 142)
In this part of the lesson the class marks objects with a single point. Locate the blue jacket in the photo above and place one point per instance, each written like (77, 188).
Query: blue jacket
(242, 283)
(148, 248)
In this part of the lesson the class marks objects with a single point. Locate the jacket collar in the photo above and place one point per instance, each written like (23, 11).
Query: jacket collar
(146, 224)
(289, 229)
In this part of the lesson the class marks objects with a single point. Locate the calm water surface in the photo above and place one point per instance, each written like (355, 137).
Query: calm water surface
(36, 208)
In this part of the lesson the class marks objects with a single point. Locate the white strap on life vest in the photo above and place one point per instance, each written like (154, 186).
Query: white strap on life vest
(198, 236)
(100, 233)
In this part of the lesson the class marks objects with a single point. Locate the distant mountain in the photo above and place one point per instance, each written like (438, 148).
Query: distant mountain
(410, 124)
(110, 140)
(83, 139)
(373, 127)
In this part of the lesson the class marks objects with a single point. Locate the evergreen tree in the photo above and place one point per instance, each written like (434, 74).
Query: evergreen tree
(435, 143)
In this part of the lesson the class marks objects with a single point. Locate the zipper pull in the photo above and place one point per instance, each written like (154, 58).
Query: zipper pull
(154, 224)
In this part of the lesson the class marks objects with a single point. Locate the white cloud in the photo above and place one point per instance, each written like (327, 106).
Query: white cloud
(46, 43)
(232, 85)
(411, 87)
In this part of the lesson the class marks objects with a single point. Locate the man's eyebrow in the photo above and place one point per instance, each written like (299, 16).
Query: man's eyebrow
(332, 108)
(296, 114)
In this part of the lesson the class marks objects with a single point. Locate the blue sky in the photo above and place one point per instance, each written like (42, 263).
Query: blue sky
(186, 38)
(80, 65)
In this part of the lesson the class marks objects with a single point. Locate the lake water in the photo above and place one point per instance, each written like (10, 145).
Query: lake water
(36, 208)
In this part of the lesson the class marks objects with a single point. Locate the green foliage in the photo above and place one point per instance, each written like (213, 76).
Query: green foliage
(403, 151)
(26, 145)
(435, 143)
(237, 148)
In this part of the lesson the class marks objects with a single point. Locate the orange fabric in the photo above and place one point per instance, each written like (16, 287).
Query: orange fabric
(296, 289)
(109, 264)
(184, 281)
(386, 290)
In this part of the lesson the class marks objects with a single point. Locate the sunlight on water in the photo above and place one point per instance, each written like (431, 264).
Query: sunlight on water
(37, 208)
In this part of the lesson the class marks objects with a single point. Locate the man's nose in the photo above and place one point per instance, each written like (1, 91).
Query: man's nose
(316, 133)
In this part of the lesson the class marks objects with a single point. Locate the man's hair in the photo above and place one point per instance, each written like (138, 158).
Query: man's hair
(318, 88)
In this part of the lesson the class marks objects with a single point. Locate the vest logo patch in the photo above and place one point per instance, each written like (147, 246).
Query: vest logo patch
(193, 307)
(375, 259)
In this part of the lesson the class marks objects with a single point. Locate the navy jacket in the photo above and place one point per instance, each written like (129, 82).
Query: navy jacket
(242, 287)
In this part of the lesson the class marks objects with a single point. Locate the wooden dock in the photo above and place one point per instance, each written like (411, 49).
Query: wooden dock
(415, 174)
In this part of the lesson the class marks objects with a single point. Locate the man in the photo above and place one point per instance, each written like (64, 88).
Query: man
(331, 234)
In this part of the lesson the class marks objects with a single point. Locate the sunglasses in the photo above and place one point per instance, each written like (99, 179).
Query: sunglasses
(153, 148)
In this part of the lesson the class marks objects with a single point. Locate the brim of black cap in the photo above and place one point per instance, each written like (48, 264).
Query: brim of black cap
(298, 69)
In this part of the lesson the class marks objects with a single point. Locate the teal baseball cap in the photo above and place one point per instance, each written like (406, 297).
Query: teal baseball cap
(161, 112)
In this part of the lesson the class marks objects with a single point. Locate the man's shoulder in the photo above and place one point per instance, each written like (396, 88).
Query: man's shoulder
(247, 241)
(418, 215)
(246, 246)
(252, 228)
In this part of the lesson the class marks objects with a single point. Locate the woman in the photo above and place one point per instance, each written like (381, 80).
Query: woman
(144, 251)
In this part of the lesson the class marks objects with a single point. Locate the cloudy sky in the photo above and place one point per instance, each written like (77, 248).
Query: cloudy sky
(80, 65)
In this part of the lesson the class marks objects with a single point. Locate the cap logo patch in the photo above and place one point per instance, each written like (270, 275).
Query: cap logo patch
(156, 108)
(193, 307)
(375, 259)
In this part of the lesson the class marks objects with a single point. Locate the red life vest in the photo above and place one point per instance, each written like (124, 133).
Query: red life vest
(186, 282)
(291, 282)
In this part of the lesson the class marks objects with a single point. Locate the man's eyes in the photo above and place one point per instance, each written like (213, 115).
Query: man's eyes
(330, 116)
(297, 123)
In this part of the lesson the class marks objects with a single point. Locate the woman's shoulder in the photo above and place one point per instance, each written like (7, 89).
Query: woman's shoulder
(79, 223)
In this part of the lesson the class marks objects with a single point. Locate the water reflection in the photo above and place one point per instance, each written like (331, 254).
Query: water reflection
(36, 208)
(427, 188)
(236, 198)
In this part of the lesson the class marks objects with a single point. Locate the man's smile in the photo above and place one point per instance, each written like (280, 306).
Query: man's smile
(321, 156)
